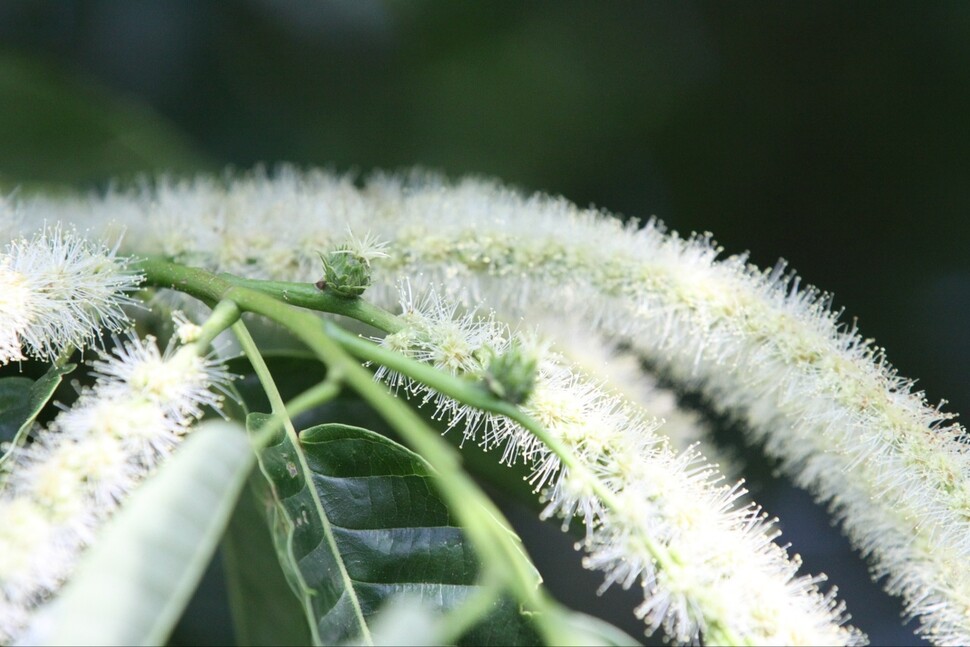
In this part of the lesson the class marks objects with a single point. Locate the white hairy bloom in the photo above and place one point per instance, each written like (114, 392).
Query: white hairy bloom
(14, 312)
(706, 565)
(74, 474)
(758, 346)
(57, 290)
(369, 247)
(179, 382)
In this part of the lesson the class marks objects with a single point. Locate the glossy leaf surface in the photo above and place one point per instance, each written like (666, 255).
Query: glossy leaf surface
(21, 401)
(364, 524)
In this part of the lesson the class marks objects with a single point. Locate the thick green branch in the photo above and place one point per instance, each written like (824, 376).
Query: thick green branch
(212, 288)
(306, 295)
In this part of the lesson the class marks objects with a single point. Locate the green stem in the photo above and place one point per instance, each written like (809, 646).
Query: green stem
(307, 295)
(225, 314)
(480, 519)
(276, 405)
(279, 419)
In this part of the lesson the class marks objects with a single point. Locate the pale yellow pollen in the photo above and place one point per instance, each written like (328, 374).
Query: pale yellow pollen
(162, 380)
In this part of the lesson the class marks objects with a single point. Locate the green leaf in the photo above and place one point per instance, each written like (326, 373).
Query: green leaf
(362, 523)
(133, 584)
(21, 401)
(264, 609)
(14, 396)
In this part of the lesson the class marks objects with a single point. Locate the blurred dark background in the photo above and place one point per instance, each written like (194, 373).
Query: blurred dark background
(833, 134)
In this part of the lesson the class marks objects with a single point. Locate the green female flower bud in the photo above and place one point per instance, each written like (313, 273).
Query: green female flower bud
(345, 273)
(511, 375)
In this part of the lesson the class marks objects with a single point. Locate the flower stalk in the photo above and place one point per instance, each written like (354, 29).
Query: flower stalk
(790, 610)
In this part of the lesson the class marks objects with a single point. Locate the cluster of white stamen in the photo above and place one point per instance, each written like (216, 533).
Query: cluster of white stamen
(58, 291)
(185, 330)
(706, 565)
(436, 334)
(757, 346)
(75, 473)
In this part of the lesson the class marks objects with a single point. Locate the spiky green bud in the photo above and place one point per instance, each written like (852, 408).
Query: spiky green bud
(511, 375)
(345, 273)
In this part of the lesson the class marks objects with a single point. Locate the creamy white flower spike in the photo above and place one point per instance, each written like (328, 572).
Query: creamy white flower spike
(57, 291)
(820, 398)
(756, 345)
(707, 566)
(67, 481)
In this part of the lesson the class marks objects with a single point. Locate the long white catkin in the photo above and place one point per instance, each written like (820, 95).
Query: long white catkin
(707, 565)
(819, 397)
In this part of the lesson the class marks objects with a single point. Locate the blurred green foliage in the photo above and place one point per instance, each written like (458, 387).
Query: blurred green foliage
(58, 130)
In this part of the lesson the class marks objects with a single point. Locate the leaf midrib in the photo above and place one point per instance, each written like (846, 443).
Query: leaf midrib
(309, 485)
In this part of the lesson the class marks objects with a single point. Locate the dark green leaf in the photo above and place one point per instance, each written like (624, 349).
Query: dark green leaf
(14, 408)
(22, 399)
(362, 523)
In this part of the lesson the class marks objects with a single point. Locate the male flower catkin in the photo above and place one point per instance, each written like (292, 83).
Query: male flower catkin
(57, 291)
(65, 483)
(707, 566)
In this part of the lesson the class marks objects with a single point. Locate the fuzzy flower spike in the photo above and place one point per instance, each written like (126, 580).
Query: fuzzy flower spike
(57, 291)
(708, 567)
(74, 474)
